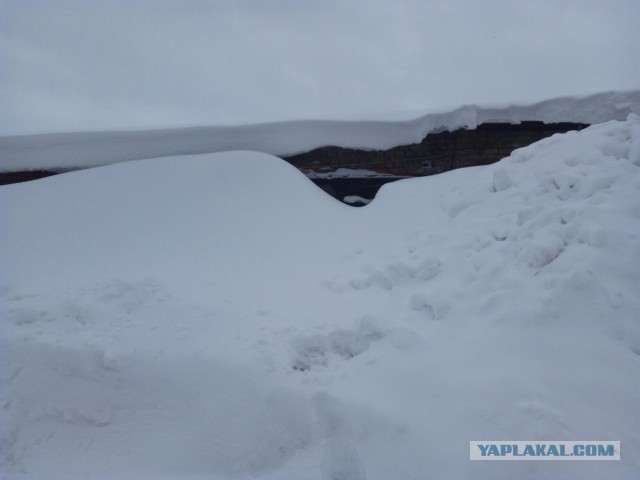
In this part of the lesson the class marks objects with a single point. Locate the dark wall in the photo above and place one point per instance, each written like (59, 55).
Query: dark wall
(438, 152)
(7, 178)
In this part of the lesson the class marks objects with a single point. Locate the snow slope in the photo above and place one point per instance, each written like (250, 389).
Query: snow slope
(218, 316)
(64, 151)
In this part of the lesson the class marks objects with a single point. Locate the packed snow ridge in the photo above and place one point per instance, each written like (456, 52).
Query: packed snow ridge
(69, 151)
(218, 316)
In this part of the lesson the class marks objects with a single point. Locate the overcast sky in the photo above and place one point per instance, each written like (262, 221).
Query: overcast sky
(105, 64)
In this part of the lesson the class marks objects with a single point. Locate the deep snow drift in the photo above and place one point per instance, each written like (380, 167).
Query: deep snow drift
(219, 316)
(68, 151)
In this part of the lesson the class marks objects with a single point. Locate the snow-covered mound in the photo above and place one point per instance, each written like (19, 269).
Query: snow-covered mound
(64, 151)
(218, 316)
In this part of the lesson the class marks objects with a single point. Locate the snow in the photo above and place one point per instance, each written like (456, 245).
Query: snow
(69, 151)
(181, 317)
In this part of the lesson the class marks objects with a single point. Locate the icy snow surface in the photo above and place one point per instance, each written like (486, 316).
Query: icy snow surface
(64, 151)
(183, 318)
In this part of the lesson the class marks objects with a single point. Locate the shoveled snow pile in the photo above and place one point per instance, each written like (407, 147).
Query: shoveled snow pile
(69, 151)
(218, 316)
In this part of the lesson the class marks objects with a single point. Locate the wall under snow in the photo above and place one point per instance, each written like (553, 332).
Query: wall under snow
(438, 152)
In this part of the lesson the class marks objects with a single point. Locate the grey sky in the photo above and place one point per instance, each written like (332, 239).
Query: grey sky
(103, 64)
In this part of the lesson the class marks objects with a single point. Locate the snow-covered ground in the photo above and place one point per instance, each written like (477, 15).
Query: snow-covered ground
(68, 151)
(218, 316)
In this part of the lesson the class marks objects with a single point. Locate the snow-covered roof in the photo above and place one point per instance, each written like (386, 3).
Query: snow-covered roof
(60, 151)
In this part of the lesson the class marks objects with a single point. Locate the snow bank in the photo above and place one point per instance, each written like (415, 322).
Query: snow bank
(64, 151)
(218, 316)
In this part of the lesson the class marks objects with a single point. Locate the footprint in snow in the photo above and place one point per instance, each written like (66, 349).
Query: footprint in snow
(316, 350)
